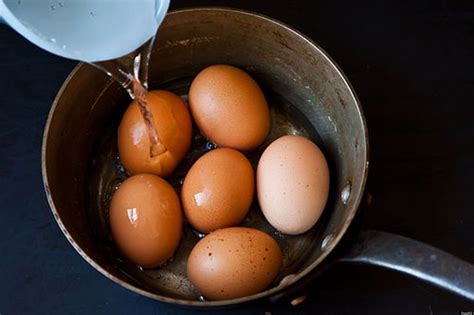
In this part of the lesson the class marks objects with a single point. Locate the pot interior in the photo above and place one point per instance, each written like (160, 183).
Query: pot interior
(307, 95)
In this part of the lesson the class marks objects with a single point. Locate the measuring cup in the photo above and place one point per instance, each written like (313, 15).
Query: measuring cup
(86, 30)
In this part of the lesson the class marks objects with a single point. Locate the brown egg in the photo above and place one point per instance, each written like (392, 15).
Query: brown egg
(218, 190)
(146, 220)
(229, 107)
(234, 262)
(174, 128)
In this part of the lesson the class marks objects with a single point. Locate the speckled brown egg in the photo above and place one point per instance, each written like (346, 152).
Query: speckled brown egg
(146, 220)
(229, 107)
(234, 262)
(218, 190)
(174, 128)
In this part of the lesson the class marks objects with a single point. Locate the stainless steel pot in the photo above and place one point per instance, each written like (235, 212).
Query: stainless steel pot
(308, 94)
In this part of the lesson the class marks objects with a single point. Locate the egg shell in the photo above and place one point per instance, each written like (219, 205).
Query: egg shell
(234, 262)
(218, 190)
(229, 107)
(146, 220)
(174, 128)
(292, 184)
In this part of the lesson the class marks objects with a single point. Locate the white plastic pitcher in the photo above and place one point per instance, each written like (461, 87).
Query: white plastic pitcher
(86, 30)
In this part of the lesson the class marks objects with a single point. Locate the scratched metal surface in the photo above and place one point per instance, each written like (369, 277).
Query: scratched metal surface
(412, 66)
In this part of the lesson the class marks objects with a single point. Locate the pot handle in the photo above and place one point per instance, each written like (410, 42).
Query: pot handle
(413, 258)
(402, 254)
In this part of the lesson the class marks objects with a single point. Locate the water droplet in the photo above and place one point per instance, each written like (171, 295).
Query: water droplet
(210, 145)
(279, 234)
(116, 184)
(61, 4)
(197, 137)
(199, 234)
(201, 298)
(92, 14)
(185, 98)
(326, 241)
(18, 2)
(52, 40)
(121, 169)
(52, 8)
(333, 123)
(64, 47)
(346, 193)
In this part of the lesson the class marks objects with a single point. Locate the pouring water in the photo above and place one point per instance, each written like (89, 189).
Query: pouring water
(114, 36)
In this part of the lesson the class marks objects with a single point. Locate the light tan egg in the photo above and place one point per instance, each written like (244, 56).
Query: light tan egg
(292, 184)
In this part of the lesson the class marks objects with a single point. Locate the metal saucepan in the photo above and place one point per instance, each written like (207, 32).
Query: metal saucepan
(308, 94)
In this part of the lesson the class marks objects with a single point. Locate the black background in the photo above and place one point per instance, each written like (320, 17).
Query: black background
(412, 65)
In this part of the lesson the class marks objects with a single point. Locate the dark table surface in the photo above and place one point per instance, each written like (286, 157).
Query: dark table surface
(412, 65)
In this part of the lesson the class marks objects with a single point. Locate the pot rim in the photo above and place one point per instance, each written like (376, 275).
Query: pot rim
(206, 304)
